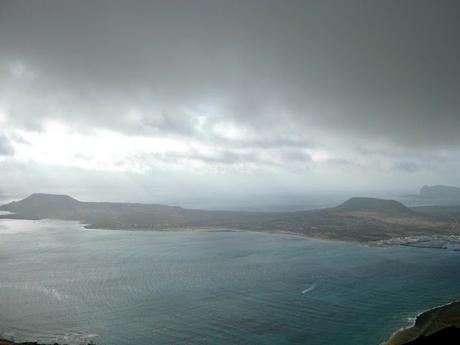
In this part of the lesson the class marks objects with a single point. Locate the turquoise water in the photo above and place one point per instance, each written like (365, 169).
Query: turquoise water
(61, 283)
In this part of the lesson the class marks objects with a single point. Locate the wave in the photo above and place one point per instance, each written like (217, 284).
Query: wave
(311, 288)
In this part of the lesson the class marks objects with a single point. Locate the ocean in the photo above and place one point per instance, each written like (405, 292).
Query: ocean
(62, 283)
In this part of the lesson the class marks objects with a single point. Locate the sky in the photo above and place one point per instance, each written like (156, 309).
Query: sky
(220, 102)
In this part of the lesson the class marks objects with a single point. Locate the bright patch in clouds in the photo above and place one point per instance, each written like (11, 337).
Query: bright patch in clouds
(318, 156)
(105, 150)
(3, 117)
(21, 71)
(230, 131)
(95, 150)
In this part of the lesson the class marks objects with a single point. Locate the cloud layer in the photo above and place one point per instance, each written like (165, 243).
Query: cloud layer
(317, 88)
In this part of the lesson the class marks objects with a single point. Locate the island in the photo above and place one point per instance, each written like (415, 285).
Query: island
(359, 219)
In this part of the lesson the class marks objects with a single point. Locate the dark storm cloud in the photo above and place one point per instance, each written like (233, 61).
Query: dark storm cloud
(6, 149)
(387, 69)
(409, 167)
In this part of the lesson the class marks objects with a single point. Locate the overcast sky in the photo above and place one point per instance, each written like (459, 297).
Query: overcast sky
(173, 101)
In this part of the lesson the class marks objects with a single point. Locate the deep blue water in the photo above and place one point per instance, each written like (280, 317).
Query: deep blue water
(59, 282)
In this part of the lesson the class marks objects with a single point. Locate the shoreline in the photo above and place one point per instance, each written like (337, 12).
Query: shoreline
(378, 243)
(409, 241)
(187, 229)
(427, 323)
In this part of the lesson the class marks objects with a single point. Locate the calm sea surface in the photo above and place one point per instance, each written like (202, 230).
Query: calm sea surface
(61, 283)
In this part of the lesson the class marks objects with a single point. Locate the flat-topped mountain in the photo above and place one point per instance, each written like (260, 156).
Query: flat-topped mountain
(440, 192)
(439, 195)
(357, 219)
(382, 206)
(103, 214)
(50, 198)
(39, 204)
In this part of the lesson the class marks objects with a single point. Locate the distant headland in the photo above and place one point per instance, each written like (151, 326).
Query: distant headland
(435, 195)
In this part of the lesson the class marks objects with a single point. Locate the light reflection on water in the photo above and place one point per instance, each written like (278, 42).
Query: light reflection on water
(60, 283)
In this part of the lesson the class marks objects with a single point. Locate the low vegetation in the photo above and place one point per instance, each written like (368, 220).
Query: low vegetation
(358, 219)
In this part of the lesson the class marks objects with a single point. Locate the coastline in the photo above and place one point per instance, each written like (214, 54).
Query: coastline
(301, 235)
(409, 241)
(428, 323)
(396, 240)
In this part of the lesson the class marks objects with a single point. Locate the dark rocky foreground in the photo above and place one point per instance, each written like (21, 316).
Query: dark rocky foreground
(440, 326)
(447, 336)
